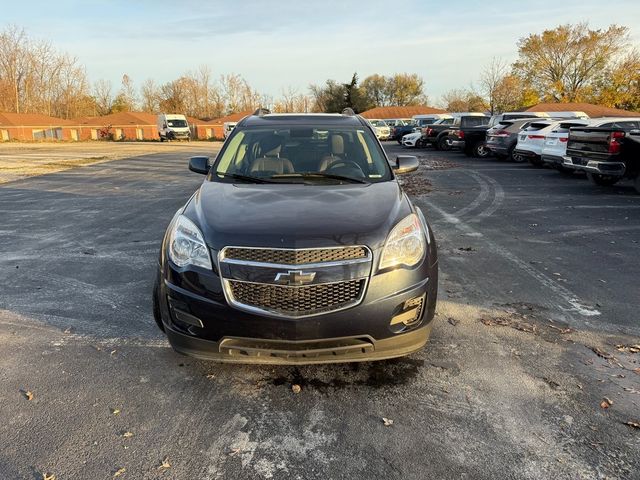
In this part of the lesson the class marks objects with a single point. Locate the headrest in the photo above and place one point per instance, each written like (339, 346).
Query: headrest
(270, 145)
(337, 145)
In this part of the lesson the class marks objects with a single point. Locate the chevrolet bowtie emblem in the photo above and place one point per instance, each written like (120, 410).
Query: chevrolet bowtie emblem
(295, 277)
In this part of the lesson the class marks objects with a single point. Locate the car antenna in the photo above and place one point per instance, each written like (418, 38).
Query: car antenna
(260, 112)
(348, 111)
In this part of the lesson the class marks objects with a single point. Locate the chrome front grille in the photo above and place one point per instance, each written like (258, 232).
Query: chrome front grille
(294, 282)
(297, 301)
(296, 257)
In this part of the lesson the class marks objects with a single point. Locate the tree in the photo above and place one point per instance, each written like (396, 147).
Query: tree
(461, 100)
(406, 89)
(150, 96)
(491, 78)
(564, 64)
(376, 88)
(622, 86)
(329, 97)
(103, 96)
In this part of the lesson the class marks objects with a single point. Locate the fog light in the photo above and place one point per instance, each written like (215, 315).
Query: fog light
(411, 312)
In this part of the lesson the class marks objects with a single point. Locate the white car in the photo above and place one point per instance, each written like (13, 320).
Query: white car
(554, 150)
(532, 139)
(383, 132)
(413, 139)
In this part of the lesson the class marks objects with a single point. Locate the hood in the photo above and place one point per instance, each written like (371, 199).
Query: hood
(297, 216)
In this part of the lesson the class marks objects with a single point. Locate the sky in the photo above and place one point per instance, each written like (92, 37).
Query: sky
(278, 45)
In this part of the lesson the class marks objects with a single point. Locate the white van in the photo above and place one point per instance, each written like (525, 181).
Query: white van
(172, 126)
(228, 128)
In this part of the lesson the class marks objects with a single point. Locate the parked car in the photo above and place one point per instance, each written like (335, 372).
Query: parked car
(503, 137)
(608, 150)
(299, 247)
(444, 136)
(499, 118)
(413, 139)
(554, 144)
(400, 131)
(227, 128)
(383, 131)
(172, 126)
(530, 141)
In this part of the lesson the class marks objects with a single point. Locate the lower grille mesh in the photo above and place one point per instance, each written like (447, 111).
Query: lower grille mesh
(297, 300)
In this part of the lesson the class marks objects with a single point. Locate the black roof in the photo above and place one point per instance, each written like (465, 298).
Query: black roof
(281, 119)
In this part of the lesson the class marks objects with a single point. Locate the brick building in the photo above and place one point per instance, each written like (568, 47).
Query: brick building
(400, 112)
(205, 130)
(33, 126)
(594, 111)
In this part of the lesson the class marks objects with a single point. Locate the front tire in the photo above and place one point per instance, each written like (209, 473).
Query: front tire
(602, 180)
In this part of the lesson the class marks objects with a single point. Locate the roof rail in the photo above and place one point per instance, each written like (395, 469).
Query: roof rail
(262, 111)
(348, 111)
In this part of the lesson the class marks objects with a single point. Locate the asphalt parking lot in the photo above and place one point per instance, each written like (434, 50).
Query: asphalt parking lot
(529, 373)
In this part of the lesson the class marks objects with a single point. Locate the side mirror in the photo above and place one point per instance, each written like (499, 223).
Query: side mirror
(406, 164)
(199, 165)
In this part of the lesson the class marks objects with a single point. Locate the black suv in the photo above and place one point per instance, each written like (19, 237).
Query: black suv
(299, 247)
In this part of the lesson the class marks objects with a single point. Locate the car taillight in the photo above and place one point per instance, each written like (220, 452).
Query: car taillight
(501, 133)
(429, 131)
(536, 137)
(460, 134)
(564, 139)
(614, 144)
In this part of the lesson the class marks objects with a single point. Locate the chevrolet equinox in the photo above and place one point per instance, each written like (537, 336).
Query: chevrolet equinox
(299, 247)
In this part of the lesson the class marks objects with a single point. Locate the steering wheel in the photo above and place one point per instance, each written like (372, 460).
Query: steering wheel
(349, 164)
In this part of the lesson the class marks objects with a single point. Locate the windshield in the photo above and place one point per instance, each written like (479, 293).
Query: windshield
(302, 155)
(177, 123)
(378, 123)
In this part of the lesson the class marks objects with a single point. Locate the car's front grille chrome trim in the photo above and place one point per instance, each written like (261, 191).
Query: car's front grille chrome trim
(318, 297)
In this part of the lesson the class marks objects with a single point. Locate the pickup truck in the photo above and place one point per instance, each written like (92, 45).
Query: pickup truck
(445, 136)
(475, 141)
(607, 151)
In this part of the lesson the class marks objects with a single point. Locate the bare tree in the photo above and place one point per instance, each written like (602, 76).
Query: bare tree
(103, 94)
(490, 78)
(14, 63)
(150, 96)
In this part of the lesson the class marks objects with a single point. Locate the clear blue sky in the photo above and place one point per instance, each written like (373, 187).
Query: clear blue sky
(280, 44)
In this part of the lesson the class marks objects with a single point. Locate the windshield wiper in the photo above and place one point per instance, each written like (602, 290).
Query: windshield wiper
(320, 175)
(247, 178)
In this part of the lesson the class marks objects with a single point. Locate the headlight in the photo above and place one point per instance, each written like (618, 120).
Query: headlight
(405, 245)
(186, 244)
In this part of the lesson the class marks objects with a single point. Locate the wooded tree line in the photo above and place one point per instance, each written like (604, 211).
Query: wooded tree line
(571, 63)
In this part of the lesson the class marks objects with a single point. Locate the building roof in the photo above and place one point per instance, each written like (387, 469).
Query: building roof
(400, 112)
(31, 120)
(118, 119)
(234, 117)
(594, 111)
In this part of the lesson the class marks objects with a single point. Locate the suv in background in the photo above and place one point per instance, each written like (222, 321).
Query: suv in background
(503, 137)
(443, 136)
(299, 247)
(383, 131)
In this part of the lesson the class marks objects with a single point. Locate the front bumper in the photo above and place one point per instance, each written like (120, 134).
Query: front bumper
(331, 350)
(199, 321)
(410, 142)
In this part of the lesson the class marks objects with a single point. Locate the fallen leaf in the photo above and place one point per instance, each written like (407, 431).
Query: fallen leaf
(295, 388)
(165, 463)
(387, 422)
(637, 370)
(127, 434)
(113, 352)
(210, 376)
(467, 249)
(632, 424)
(119, 472)
(47, 476)
(27, 394)
(606, 403)
(234, 451)
(453, 321)
(115, 411)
